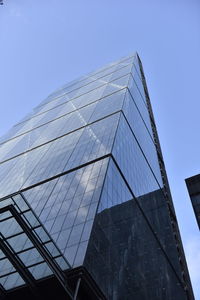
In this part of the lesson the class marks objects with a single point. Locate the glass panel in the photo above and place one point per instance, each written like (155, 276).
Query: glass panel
(10, 227)
(96, 141)
(70, 203)
(12, 281)
(108, 105)
(40, 271)
(132, 162)
(30, 257)
(5, 267)
(142, 135)
(122, 234)
(21, 246)
(20, 242)
(135, 93)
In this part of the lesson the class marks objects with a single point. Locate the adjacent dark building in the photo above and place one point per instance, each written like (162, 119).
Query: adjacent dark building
(193, 186)
(85, 208)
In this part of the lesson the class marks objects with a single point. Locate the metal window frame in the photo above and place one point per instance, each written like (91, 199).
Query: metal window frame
(18, 264)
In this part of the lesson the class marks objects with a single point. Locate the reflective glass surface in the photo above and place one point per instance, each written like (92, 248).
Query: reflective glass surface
(132, 162)
(86, 161)
(21, 246)
(124, 254)
(140, 132)
(139, 101)
(71, 150)
(67, 207)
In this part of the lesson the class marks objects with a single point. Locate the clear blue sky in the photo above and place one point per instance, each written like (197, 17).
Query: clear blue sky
(44, 44)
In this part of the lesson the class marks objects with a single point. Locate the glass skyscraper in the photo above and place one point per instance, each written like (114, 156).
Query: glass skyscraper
(85, 209)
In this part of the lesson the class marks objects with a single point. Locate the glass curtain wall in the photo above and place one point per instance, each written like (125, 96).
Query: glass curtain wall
(87, 161)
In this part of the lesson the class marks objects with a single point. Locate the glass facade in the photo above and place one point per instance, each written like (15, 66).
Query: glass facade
(193, 185)
(87, 163)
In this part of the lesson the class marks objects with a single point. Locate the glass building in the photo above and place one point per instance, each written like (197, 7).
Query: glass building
(193, 186)
(85, 208)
